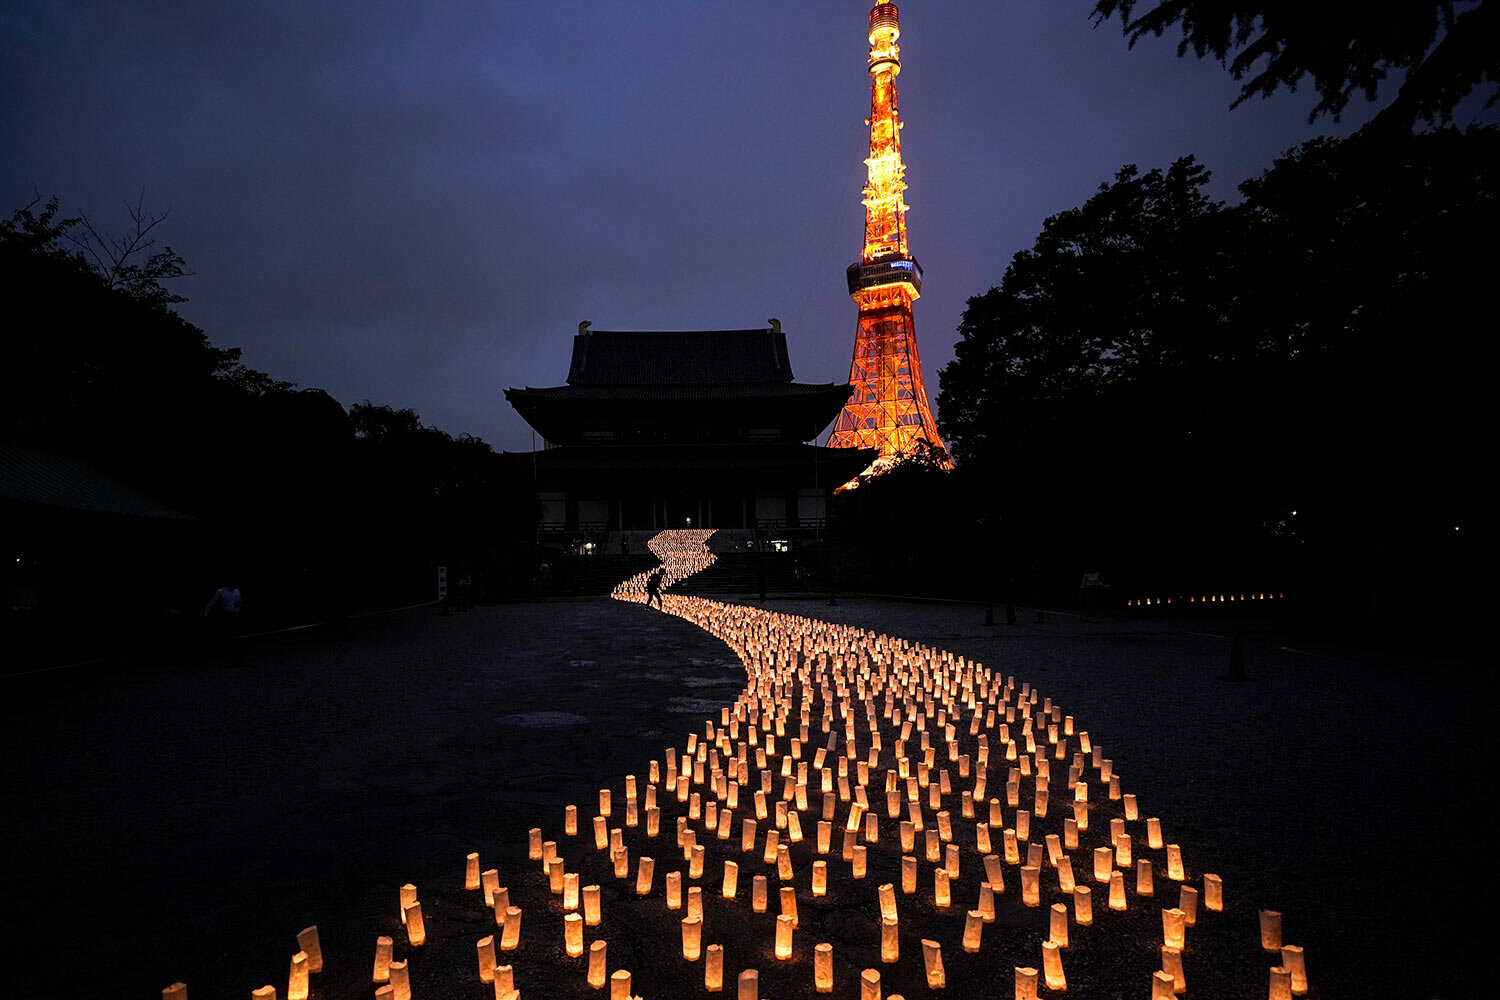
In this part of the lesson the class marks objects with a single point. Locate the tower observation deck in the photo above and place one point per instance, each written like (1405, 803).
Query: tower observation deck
(888, 409)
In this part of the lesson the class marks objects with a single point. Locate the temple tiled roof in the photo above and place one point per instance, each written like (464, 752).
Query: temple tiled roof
(731, 391)
(715, 357)
(46, 480)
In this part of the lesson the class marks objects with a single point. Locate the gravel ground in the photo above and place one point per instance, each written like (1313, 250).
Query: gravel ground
(185, 822)
(1336, 786)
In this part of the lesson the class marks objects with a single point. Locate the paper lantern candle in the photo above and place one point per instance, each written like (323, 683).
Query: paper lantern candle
(1280, 986)
(713, 968)
(1153, 833)
(674, 890)
(591, 905)
(1052, 968)
(941, 895)
(1172, 928)
(789, 903)
(1057, 928)
(573, 935)
(1116, 891)
(908, 874)
(1295, 963)
(1171, 964)
(994, 872)
(307, 940)
(177, 991)
(692, 938)
(1213, 893)
(644, 874)
(1083, 906)
(869, 985)
(1174, 863)
(489, 881)
(932, 961)
(1065, 873)
(485, 947)
(820, 878)
(570, 821)
(510, 937)
(1104, 863)
(1145, 884)
(597, 972)
(758, 894)
(1161, 986)
(1031, 890)
(890, 944)
(408, 896)
(570, 890)
(619, 985)
(1026, 983)
(1188, 904)
(264, 993)
(887, 897)
(471, 872)
(383, 947)
(749, 985)
(823, 968)
(1270, 930)
(296, 985)
(973, 927)
(784, 928)
(986, 902)
(416, 927)
(400, 985)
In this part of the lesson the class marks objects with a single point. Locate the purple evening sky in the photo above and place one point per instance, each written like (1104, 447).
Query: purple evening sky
(417, 203)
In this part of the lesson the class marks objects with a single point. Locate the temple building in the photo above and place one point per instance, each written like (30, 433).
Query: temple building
(659, 430)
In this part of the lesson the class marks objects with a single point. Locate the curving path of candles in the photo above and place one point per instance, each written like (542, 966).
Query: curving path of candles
(904, 779)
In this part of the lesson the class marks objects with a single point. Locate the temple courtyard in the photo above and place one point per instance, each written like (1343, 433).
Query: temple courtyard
(185, 822)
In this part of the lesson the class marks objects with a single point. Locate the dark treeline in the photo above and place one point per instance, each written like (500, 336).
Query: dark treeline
(1291, 392)
(310, 508)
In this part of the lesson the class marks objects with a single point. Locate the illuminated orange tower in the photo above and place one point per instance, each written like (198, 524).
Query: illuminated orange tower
(888, 409)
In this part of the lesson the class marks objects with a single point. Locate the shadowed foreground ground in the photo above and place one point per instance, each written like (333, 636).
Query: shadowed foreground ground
(184, 823)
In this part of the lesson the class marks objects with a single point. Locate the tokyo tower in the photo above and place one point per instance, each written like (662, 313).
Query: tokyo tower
(888, 409)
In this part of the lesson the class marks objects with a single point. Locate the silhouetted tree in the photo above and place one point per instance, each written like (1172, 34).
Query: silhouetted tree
(1444, 49)
(312, 503)
(1162, 379)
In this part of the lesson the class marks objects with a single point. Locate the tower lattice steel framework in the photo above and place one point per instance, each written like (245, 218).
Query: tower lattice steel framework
(888, 409)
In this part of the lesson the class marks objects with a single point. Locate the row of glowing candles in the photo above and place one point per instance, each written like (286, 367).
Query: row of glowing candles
(1142, 602)
(850, 668)
(682, 553)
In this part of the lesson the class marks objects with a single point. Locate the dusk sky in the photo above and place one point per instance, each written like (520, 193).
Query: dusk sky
(417, 203)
